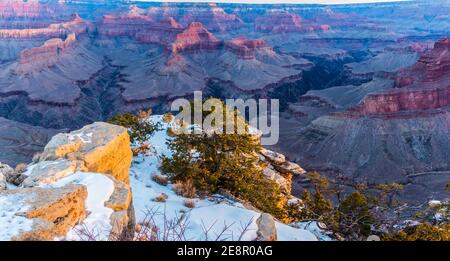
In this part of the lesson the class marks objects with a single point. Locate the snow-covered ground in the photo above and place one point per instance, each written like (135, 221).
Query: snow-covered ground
(11, 224)
(97, 222)
(210, 214)
(212, 218)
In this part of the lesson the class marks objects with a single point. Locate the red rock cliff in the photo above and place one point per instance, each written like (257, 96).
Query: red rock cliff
(195, 37)
(47, 53)
(424, 86)
(244, 47)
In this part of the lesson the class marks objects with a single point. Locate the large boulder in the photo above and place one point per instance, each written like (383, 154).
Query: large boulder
(103, 147)
(267, 230)
(272, 156)
(41, 213)
(2, 182)
(65, 185)
(6, 172)
(47, 172)
(290, 167)
(120, 199)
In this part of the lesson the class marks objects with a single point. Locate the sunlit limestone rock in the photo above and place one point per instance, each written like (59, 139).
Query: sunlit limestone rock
(5, 172)
(78, 185)
(278, 169)
(272, 156)
(2, 182)
(284, 182)
(41, 213)
(290, 168)
(103, 148)
(121, 197)
(47, 172)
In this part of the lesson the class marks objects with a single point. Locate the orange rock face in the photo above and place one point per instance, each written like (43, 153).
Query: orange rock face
(406, 100)
(244, 47)
(195, 37)
(51, 48)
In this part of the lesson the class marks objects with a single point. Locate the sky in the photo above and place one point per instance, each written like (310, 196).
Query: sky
(279, 1)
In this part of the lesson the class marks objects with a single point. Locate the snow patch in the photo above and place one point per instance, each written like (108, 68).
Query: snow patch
(288, 233)
(213, 213)
(100, 189)
(10, 224)
(84, 137)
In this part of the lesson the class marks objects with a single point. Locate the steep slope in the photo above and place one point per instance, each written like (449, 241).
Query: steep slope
(228, 212)
(19, 142)
(378, 133)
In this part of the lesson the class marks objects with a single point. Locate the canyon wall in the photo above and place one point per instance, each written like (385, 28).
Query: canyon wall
(76, 25)
(286, 23)
(45, 54)
(423, 86)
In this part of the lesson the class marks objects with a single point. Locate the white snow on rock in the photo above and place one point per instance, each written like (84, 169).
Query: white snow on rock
(314, 228)
(210, 214)
(84, 137)
(288, 233)
(206, 221)
(100, 189)
(11, 224)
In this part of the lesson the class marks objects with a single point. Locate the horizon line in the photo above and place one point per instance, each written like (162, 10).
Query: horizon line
(280, 2)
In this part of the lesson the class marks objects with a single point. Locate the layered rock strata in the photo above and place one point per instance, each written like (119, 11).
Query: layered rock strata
(56, 192)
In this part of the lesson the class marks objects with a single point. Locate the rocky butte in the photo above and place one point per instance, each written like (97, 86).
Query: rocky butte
(195, 37)
(246, 48)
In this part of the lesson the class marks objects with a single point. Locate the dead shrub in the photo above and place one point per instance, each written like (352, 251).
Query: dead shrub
(20, 168)
(161, 198)
(189, 203)
(36, 157)
(185, 189)
(161, 180)
(168, 117)
(171, 132)
(143, 115)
